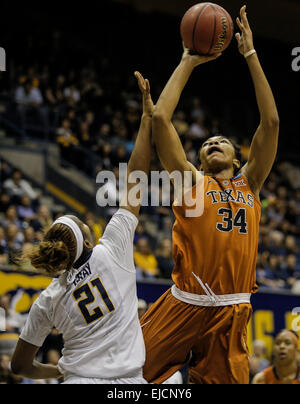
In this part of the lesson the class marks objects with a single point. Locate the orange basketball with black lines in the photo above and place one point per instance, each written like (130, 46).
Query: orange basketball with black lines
(206, 29)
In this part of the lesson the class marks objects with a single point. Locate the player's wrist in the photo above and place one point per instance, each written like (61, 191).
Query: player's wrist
(188, 62)
(147, 115)
(249, 53)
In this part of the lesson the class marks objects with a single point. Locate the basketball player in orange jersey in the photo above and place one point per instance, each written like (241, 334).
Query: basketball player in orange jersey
(204, 316)
(286, 369)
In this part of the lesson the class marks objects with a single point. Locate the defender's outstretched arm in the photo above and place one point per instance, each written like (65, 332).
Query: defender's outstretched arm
(141, 154)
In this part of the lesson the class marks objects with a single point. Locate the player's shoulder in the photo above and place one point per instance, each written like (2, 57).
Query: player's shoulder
(44, 301)
(55, 288)
(259, 378)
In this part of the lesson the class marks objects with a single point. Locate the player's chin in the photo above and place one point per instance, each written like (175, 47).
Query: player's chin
(216, 160)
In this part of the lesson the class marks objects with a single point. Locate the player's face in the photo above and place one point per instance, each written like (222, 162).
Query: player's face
(285, 348)
(217, 153)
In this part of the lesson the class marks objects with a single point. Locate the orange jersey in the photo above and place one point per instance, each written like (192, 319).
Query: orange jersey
(220, 246)
(271, 377)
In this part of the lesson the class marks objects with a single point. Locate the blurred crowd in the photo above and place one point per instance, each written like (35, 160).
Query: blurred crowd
(24, 219)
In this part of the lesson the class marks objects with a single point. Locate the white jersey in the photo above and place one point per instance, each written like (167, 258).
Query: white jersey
(98, 312)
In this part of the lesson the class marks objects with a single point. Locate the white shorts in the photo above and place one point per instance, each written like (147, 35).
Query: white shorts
(86, 380)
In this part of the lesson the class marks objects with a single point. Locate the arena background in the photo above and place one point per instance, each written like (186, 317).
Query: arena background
(97, 46)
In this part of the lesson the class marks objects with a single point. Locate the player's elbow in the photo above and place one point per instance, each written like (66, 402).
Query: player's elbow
(271, 123)
(159, 118)
(17, 367)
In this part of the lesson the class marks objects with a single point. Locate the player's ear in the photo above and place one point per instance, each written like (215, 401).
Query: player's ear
(87, 244)
(236, 164)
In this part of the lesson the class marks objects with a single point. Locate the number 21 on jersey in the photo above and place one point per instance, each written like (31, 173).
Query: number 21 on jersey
(86, 290)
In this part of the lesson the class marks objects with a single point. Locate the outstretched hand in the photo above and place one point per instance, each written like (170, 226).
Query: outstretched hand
(245, 39)
(195, 59)
(144, 86)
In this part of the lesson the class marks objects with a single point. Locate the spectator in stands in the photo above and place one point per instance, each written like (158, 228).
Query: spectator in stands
(197, 130)
(180, 123)
(52, 358)
(43, 220)
(290, 274)
(28, 96)
(16, 187)
(25, 265)
(142, 307)
(145, 261)
(14, 320)
(190, 152)
(4, 369)
(72, 95)
(4, 202)
(269, 274)
(258, 361)
(29, 100)
(3, 246)
(29, 235)
(15, 240)
(59, 88)
(25, 211)
(277, 243)
(291, 245)
(120, 156)
(141, 232)
(84, 135)
(67, 141)
(5, 171)
(164, 258)
(105, 152)
(11, 217)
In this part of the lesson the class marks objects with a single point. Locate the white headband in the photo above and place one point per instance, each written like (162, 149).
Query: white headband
(76, 230)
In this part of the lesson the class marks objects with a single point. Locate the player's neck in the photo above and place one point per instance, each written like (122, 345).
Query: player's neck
(222, 174)
(285, 371)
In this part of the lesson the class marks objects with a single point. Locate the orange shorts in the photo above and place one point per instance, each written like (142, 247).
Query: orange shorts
(212, 339)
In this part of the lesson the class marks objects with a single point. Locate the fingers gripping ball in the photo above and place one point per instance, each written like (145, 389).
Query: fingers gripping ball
(206, 29)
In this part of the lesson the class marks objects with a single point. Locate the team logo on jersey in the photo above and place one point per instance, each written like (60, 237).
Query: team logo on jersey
(240, 183)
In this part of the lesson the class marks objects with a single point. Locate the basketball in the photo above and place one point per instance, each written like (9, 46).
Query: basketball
(206, 29)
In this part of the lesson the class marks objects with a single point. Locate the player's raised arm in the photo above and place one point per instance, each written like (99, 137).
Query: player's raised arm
(141, 154)
(265, 141)
(168, 144)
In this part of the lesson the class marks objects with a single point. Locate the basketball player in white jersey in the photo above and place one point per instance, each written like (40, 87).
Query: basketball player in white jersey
(92, 300)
